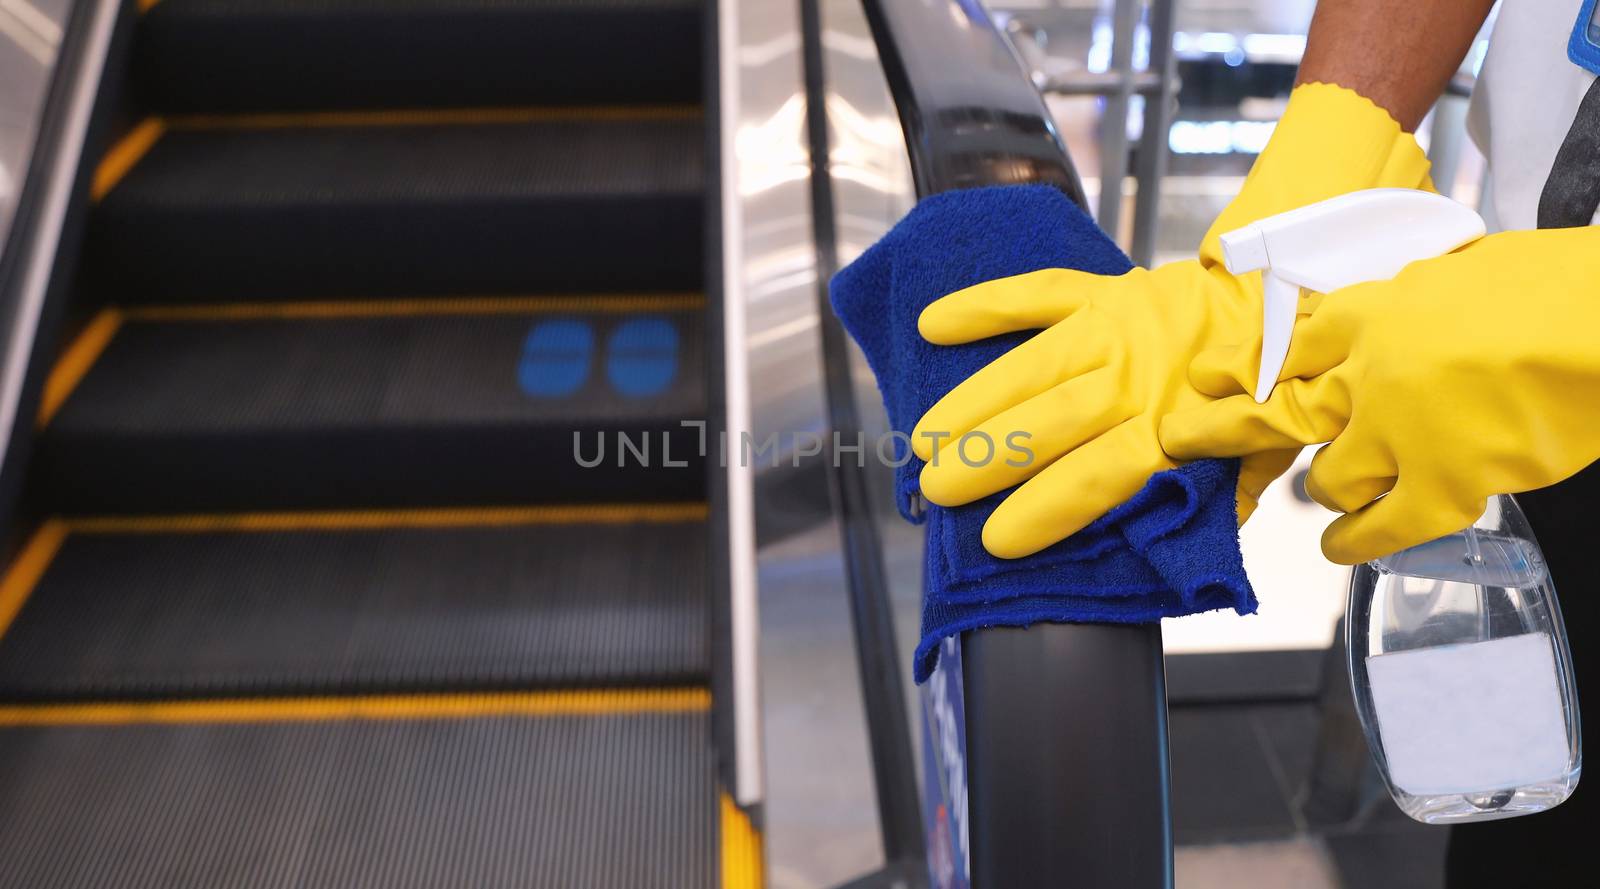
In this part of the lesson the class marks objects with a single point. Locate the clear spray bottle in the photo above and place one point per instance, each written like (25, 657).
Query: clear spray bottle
(1458, 655)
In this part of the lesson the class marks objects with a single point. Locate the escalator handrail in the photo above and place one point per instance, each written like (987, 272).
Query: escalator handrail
(1065, 724)
(969, 113)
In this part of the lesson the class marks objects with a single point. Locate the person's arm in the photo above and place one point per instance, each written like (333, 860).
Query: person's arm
(1398, 53)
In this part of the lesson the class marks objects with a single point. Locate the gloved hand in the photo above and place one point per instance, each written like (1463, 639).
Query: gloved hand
(1468, 375)
(1091, 389)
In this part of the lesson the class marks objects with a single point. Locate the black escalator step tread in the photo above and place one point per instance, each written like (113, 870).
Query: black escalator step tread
(360, 610)
(557, 802)
(427, 410)
(555, 204)
(250, 55)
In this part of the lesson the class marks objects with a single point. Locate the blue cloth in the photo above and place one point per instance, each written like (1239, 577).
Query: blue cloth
(1172, 549)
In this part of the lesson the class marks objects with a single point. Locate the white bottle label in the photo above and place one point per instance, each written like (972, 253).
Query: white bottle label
(1473, 718)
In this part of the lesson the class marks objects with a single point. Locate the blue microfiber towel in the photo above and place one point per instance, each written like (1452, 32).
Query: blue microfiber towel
(1172, 549)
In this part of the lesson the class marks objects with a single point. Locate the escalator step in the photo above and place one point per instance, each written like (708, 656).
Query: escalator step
(407, 409)
(524, 201)
(554, 801)
(348, 603)
(253, 55)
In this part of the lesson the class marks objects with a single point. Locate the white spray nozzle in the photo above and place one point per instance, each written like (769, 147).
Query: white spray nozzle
(1361, 236)
(1245, 250)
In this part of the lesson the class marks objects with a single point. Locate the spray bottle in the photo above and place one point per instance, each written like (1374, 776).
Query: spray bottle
(1457, 652)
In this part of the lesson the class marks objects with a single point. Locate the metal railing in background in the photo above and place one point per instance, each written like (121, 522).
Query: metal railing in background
(1063, 742)
(1156, 83)
(1159, 108)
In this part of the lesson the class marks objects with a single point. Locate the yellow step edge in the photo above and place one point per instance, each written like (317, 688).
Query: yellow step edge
(598, 702)
(416, 307)
(741, 847)
(377, 519)
(35, 557)
(75, 361)
(26, 569)
(431, 116)
(125, 155)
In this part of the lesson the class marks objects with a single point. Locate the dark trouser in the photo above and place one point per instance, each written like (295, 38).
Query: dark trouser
(1558, 847)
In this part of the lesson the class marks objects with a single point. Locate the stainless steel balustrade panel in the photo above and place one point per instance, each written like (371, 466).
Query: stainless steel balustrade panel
(815, 776)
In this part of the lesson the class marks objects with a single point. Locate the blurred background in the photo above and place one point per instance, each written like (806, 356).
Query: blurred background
(30, 34)
(1236, 61)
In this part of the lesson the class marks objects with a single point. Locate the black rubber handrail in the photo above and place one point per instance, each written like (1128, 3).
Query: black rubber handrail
(970, 115)
(1066, 735)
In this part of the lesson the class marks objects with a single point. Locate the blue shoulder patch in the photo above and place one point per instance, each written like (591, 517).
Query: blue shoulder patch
(1583, 47)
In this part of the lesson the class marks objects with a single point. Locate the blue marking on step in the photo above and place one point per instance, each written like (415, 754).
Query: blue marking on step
(556, 358)
(642, 356)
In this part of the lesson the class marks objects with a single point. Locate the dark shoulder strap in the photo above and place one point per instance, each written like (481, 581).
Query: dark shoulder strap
(1572, 192)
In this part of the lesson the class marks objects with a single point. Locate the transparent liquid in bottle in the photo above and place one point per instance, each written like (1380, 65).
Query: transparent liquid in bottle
(1462, 675)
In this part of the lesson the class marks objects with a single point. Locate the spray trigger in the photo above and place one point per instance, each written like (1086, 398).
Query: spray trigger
(1340, 242)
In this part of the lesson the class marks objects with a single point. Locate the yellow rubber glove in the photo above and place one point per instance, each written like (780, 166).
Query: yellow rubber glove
(1114, 355)
(1469, 375)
